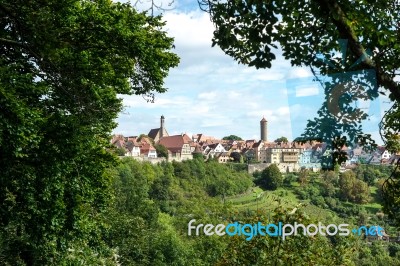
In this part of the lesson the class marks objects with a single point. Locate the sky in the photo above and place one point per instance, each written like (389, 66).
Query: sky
(210, 93)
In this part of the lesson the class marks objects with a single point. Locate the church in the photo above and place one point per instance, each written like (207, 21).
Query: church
(158, 133)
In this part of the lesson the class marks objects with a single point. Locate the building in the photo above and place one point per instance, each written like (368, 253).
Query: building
(305, 157)
(258, 146)
(212, 149)
(263, 129)
(133, 148)
(147, 150)
(223, 157)
(157, 133)
(178, 146)
(282, 155)
(200, 138)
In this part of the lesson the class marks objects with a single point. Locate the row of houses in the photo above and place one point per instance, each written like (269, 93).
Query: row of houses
(134, 146)
(289, 154)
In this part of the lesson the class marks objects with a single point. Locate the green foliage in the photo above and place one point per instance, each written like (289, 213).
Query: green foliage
(249, 31)
(329, 183)
(62, 64)
(162, 151)
(377, 254)
(379, 192)
(120, 151)
(271, 178)
(391, 196)
(232, 137)
(141, 234)
(353, 189)
(150, 213)
(303, 177)
(236, 157)
(153, 204)
(308, 192)
(198, 156)
(294, 250)
(289, 178)
(368, 174)
(282, 140)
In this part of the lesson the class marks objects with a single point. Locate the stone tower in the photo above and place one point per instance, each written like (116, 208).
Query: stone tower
(263, 129)
(162, 128)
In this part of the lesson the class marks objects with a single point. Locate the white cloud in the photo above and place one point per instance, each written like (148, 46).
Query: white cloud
(210, 93)
(207, 95)
(302, 91)
(299, 72)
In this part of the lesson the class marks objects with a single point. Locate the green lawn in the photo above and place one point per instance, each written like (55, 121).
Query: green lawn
(246, 197)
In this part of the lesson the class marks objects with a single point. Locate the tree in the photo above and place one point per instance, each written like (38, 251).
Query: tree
(352, 189)
(329, 183)
(271, 178)
(162, 151)
(303, 177)
(368, 174)
(120, 151)
(281, 140)
(249, 30)
(62, 65)
(365, 33)
(236, 156)
(232, 137)
(296, 249)
(146, 138)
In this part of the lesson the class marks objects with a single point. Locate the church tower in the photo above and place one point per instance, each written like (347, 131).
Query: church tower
(162, 128)
(263, 129)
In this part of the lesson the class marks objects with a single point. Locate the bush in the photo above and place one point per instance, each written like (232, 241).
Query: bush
(289, 178)
(271, 178)
(318, 201)
(308, 192)
(353, 189)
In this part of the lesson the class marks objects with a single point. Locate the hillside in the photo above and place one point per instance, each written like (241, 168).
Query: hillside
(158, 201)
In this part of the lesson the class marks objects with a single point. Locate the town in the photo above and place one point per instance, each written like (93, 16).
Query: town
(258, 154)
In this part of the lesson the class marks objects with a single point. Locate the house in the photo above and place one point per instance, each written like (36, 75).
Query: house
(133, 148)
(257, 147)
(282, 155)
(380, 156)
(130, 148)
(248, 154)
(147, 150)
(178, 146)
(210, 150)
(200, 138)
(384, 153)
(223, 157)
(305, 157)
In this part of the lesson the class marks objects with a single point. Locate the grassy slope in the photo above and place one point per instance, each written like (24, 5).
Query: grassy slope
(269, 200)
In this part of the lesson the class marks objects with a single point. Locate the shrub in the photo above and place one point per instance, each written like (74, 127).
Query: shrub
(271, 178)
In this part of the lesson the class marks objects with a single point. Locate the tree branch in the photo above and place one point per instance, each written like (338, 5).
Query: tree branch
(12, 42)
(347, 32)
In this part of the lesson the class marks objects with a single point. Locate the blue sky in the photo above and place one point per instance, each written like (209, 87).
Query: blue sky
(210, 93)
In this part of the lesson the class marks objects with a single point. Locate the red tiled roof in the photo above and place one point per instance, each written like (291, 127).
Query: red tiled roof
(145, 148)
(187, 138)
(173, 143)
